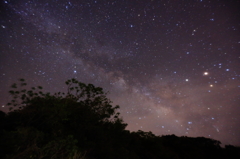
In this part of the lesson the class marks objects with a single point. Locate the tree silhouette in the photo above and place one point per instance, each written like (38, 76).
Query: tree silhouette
(82, 123)
(49, 125)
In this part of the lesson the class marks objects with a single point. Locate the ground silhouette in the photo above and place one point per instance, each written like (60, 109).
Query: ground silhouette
(83, 124)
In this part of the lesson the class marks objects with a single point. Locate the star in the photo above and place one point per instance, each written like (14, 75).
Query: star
(205, 73)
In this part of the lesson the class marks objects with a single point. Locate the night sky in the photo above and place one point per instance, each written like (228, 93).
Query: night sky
(173, 66)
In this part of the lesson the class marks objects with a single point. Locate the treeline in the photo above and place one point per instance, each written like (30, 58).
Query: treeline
(83, 124)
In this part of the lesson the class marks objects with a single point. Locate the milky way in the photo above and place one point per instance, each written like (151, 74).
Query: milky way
(172, 66)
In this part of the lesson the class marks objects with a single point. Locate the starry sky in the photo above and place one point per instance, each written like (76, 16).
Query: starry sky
(172, 66)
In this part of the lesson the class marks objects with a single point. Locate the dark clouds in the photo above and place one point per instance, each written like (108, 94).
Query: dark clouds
(150, 55)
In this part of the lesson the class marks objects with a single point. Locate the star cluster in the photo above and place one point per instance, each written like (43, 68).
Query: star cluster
(172, 66)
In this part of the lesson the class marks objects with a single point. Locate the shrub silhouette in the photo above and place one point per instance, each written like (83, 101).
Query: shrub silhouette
(83, 123)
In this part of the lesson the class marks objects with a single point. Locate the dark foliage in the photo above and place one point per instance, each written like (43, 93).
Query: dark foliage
(81, 124)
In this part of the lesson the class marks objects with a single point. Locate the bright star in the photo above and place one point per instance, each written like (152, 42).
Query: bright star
(205, 73)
